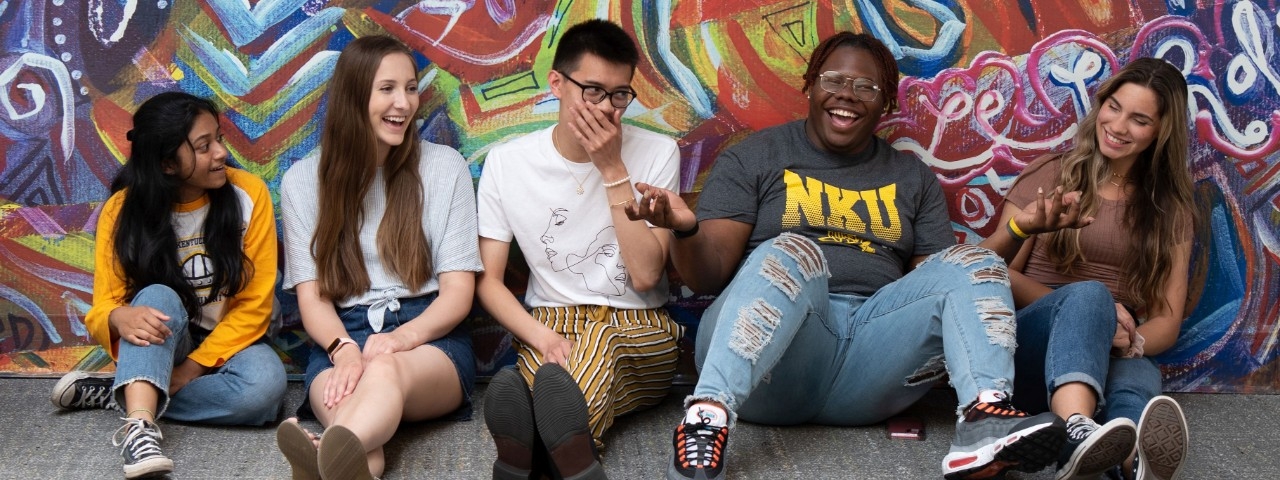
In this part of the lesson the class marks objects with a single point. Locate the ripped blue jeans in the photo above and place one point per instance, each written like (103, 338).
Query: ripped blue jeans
(777, 348)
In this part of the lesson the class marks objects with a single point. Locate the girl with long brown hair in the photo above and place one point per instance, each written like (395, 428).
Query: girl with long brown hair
(1094, 302)
(380, 247)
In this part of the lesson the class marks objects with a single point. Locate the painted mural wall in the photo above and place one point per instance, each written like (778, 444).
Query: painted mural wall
(988, 87)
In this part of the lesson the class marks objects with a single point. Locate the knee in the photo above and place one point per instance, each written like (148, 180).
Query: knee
(981, 265)
(382, 369)
(808, 256)
(1091, 302)
(1090, 292)
(165, 299)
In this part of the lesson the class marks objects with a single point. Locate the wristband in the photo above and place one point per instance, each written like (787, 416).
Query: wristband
(1017, 232)
(336, 345)
(686, 233)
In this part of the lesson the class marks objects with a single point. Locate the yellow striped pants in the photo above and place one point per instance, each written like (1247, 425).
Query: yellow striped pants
(623, 360)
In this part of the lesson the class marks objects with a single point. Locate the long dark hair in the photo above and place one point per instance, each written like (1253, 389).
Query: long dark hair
(348, 163)
(1162, 208)
(145, 243)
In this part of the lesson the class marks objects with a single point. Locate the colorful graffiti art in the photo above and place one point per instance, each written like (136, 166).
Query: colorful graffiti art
(986, 89)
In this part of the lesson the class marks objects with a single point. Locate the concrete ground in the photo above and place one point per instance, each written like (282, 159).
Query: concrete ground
(1233, 437)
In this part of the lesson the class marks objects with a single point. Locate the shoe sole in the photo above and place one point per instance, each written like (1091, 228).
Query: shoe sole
(66, 388)
(149, 468)
(1027, 450)
(508, 413)
(560, 411)
(1162, 439)
(296, 446)
(342, 456)
(1107, 447)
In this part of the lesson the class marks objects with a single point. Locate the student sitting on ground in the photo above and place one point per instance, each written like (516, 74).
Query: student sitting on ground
(183, 285)
(597, 328)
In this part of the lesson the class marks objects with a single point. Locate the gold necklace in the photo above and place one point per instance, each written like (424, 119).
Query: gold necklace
(556, 144)
(1123, 178)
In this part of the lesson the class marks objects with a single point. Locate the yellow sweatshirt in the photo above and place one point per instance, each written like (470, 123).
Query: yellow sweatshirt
(235, 322)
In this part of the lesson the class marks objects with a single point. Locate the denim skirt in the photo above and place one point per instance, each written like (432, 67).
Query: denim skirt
(456, 345)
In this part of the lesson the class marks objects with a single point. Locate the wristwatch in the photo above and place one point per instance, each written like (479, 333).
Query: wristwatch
(336, 344)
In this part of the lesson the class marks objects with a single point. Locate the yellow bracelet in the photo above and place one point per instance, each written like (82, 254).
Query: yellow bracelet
(1017, 232)
(136, 410)
(619, 204)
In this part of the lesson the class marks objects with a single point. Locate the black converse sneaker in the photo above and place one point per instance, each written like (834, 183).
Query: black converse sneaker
(81, 390)
(1093, 449)
(139, 442)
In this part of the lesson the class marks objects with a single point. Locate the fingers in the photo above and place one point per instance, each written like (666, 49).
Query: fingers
(593, 129)
(342, 382)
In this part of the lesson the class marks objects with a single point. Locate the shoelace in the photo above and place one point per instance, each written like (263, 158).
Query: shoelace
(138, 438)
(701, 445)
(1080, 429)
(93, 396)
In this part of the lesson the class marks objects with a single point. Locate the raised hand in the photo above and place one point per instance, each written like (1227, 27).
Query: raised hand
(662, 208)
(599, 133)
(1052, 212)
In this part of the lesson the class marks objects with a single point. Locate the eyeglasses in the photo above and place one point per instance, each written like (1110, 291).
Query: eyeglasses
(620, 98)
(863, 88)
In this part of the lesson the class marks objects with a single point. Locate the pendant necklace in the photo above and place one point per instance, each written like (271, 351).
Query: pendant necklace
(556, 145)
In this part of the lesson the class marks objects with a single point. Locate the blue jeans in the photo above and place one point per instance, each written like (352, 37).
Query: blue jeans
(246, 390)
(777, 348)
(1064, 337)
(1131, 383)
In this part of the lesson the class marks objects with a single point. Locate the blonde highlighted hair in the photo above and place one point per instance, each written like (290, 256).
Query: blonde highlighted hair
(1162, 208)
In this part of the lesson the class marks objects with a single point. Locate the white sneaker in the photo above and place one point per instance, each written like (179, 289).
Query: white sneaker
(1163, 439)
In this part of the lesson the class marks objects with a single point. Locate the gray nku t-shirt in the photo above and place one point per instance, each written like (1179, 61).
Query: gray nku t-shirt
(870, 212)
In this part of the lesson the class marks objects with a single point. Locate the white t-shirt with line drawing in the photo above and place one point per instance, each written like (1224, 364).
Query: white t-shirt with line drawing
(528, 194)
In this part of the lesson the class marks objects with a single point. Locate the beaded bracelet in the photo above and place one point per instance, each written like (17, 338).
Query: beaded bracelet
(620, 181)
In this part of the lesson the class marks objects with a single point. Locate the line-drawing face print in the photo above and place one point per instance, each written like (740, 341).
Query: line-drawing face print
(598, 263)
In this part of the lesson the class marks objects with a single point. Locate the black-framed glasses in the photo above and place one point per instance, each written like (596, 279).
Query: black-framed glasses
(863, 88)
(620, 98)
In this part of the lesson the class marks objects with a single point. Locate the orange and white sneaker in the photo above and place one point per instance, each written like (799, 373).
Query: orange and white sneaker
(992, 438)
(699, 446)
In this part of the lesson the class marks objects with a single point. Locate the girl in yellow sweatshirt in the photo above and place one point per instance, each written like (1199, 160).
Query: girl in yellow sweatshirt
(183, 286)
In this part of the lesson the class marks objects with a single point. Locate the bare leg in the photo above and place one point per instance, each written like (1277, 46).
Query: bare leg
(140, 400)
(423, 381)
(1072, 398)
